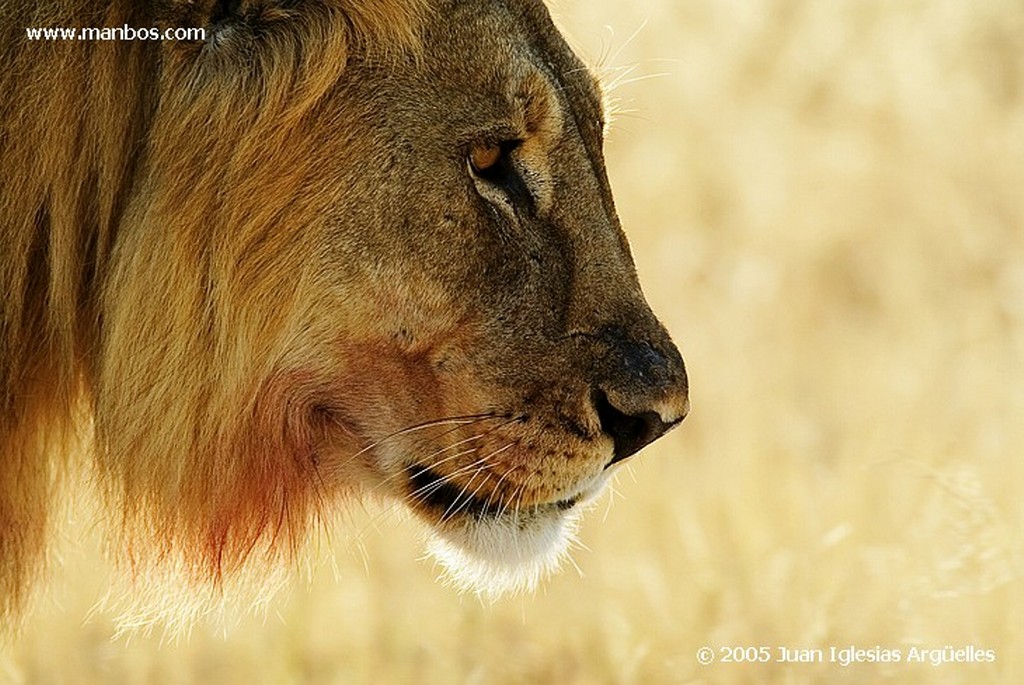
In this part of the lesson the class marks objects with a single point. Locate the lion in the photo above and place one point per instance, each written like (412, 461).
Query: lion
(333, 249)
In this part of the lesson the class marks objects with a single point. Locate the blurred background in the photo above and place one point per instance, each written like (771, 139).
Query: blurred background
(826, 207)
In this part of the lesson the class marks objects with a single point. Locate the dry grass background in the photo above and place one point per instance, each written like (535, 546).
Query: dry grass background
(826, 205)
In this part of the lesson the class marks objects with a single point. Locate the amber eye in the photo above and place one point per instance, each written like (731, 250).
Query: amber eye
(484, 156)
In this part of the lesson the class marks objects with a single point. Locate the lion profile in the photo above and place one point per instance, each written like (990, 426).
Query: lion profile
(337, 248)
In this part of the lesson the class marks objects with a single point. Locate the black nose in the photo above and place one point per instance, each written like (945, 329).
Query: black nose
(630, 432)
(641, 391)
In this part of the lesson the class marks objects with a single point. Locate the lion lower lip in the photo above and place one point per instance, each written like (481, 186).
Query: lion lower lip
(438, 493)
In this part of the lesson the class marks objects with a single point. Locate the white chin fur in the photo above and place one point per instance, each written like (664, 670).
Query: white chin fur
(502, 556)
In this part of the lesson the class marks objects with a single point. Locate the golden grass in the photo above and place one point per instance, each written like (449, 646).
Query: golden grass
(825, 205)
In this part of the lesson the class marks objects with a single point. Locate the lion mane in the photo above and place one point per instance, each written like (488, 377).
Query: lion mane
(193, 424)
(163, 310)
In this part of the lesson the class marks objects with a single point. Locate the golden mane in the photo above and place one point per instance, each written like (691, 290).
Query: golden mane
(194, 132)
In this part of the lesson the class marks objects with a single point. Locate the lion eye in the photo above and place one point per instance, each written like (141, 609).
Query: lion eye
(484, 156)
(496, 173)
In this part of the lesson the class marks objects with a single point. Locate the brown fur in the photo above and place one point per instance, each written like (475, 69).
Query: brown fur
(249, 261)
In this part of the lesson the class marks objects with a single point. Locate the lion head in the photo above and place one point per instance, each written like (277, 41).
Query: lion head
(333, 249)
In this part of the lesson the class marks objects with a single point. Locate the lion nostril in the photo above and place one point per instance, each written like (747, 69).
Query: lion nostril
(630, 432)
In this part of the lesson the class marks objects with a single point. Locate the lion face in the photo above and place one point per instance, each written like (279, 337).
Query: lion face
(502, 357)
(335, 248)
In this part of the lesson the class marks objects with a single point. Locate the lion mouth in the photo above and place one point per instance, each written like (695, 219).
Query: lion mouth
(492, 545)
(491, 549)
(438, 494)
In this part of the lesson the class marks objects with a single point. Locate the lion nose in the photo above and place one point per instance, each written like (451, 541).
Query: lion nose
(643, 398)
(630, 432)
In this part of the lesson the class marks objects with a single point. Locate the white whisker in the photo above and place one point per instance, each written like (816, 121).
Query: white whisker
(457, 421)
